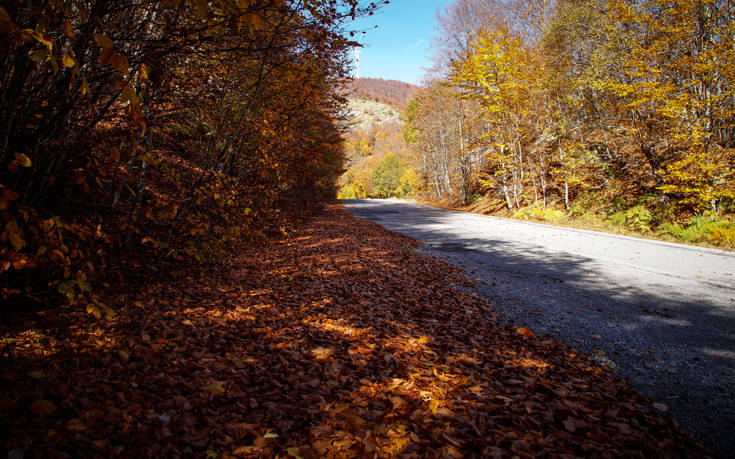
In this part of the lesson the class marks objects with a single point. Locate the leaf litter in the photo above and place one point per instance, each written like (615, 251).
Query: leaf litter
(338, 340)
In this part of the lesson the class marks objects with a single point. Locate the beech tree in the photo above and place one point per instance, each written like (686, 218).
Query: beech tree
(611, 97)
(160, 130)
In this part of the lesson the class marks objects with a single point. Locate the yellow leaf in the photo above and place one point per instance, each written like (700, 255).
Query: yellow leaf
(524, 331)
(94, 310)
(42, 407)
(661, 407)
(128, 95)
(15, 235)
(103, 40)
(214, 388)
(109, 313)
(42, 39)
(144, 70)
(23, 160)
(68, 61)
(38, 55)
(295, 451)
(23, 35)
(4, 16)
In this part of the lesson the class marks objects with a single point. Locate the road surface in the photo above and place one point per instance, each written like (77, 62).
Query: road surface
(662, 315)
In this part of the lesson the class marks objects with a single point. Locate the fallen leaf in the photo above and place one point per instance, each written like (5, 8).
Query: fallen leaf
(42, 407)
(524, 331)
(661, 407)
(214, 388)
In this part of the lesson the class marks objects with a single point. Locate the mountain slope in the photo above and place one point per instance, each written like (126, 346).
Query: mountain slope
(363, 114)
(390, 92)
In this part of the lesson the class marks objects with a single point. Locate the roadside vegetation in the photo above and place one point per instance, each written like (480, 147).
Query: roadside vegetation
(139, 137)
(613, 115)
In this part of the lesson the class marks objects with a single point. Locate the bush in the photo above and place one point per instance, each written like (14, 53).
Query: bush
(535, 212)
(703, 228)
(638, 218)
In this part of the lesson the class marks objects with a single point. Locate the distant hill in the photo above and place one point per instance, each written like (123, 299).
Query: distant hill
(364, 113)
(390, 92)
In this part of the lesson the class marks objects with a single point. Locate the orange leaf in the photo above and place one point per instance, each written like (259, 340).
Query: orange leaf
(68, 29)
(103, 40)
(68, 61)
(128, 95)
(524, 331)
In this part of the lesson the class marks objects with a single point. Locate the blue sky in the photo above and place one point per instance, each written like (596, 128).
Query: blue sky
(399, 48)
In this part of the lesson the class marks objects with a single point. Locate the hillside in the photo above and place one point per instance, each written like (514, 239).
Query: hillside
(364, 113)
(390, 92)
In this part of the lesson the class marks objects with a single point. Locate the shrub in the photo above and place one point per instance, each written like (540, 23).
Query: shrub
(535, 212)
(638, 218)
(703, 228)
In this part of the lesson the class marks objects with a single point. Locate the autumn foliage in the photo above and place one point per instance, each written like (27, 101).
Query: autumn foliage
(160, 130)
(336, 341)
(390, 92)
(627, 103)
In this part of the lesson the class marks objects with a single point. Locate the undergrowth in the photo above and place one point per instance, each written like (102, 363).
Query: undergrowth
(642, 217)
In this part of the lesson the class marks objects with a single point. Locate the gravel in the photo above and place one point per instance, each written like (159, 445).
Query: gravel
(660, 315)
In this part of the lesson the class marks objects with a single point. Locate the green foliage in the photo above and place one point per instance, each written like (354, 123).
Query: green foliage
(638, 218)
(703, 228)
(387, 176)
(618, 218)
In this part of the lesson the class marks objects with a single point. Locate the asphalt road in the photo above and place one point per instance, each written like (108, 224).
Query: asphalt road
(661, 315)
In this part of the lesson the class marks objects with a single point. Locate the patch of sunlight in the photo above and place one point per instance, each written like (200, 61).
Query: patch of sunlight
(667, 320)
(531, 363)
(718, 353)
(335, 326)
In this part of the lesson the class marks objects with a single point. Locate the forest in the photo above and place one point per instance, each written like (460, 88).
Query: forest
(390, 92)
(150, 133)
(614, 114)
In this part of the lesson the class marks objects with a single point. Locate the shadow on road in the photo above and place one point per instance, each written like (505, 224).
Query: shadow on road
(672, 338)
